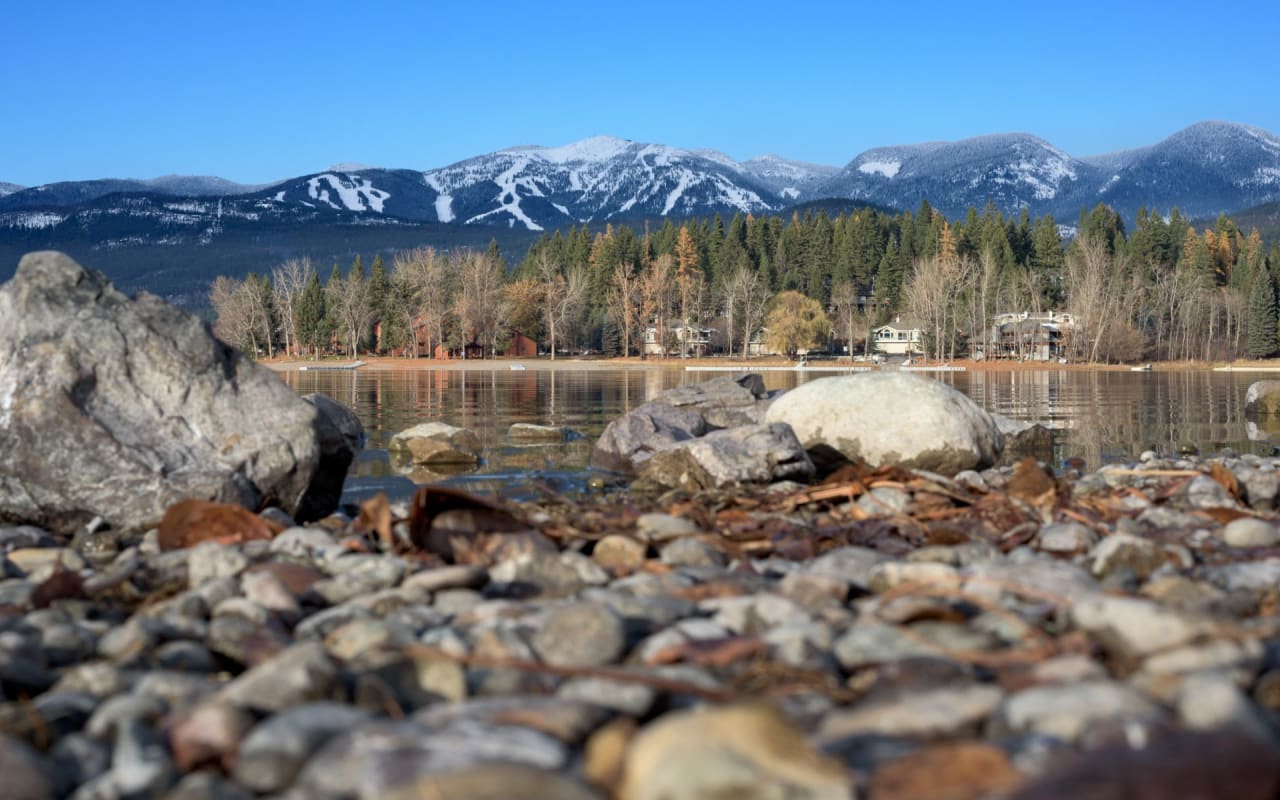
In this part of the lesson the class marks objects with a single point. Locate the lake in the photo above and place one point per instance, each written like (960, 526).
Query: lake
(1098, 416)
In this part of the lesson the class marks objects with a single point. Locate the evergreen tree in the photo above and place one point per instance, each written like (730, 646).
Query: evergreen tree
(1047, 260)
(312, 330)
(381, 302)
(1262, 316)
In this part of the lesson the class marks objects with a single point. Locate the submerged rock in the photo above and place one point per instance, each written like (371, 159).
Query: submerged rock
(118, 407)
(433, 443)
(890, 418)
(527, 432)
(1262, 399)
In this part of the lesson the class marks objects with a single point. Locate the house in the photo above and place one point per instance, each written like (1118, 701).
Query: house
(680, 338)
(470, 351)
(1029, 335)
(520, 346)
(898, 338)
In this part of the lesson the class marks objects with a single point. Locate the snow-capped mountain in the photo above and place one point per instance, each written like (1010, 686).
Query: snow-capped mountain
(791, 180)
(593, 180)
(1207, 169)
(1011, 170)
(538, 188)
(9, 188)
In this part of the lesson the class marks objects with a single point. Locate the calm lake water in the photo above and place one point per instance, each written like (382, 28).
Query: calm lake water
(1100, 417)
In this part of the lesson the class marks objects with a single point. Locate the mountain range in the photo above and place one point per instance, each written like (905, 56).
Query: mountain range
(1203, 170)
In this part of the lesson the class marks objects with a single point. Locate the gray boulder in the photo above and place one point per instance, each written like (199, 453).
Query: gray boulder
(117, 407)
(723, 402)
(745, 454)
(340, 436)
(1262, 399)
(1023, 439)
(890, 418)
(629, 440)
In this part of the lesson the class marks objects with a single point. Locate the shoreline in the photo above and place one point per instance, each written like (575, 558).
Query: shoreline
(393, 364)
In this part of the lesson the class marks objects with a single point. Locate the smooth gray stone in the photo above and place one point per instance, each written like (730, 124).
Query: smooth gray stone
(863, 416)
(303, 673)
(580, 634)
(275, 750)
(24, 773)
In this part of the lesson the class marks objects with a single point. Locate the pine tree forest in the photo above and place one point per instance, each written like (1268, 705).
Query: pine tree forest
(1161, 291)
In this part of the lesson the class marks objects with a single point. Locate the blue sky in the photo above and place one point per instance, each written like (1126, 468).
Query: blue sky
(256, 91)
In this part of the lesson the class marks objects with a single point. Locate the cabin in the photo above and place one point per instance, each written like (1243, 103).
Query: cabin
(692, 341)
(902, 337)
(470, 351)
(520, 346)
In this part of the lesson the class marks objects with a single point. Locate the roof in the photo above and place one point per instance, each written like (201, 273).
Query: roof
(906, 324)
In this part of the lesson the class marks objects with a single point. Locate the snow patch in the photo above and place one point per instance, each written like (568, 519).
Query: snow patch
(791, 193)
(1264, 176)
(684, 182)
(280, 196)
(354, 192)
(31, 220)
(444, 200)
(508, 198)
(561, 209)
(886, 168)
(596, 148)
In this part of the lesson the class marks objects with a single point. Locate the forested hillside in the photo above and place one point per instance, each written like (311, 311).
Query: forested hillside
(1165, 289)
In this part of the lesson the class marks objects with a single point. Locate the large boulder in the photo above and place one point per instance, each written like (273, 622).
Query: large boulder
(340, 436)
(745, 454)
(117, 407)
(723, 402)
(630, 440)
(889, 418)
(1262, 399)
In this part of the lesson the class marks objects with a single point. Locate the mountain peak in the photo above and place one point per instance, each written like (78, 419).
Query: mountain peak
(593, 148)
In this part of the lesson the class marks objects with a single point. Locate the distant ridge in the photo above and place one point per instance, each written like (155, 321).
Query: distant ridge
(1205, 169)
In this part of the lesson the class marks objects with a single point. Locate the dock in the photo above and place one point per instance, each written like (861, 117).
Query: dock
(824, 368)
(330, 367)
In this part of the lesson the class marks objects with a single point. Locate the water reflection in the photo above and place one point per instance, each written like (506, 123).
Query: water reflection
(1097, 416)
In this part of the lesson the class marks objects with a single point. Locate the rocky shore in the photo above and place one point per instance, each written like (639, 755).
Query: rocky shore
(779, 604)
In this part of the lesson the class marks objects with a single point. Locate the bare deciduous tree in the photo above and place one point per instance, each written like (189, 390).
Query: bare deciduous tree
(563, 295)
(423, 275)
(657, 292)
(624, 303)
(289, 280)
(243, 314)
(931, 295)
(481, 304)
(746, 296)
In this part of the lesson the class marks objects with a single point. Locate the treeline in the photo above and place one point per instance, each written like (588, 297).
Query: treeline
(1161, 291)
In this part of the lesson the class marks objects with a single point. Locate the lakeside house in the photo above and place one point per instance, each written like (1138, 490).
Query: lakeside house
(901, 337)
(695, 342)
(1028, 336)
